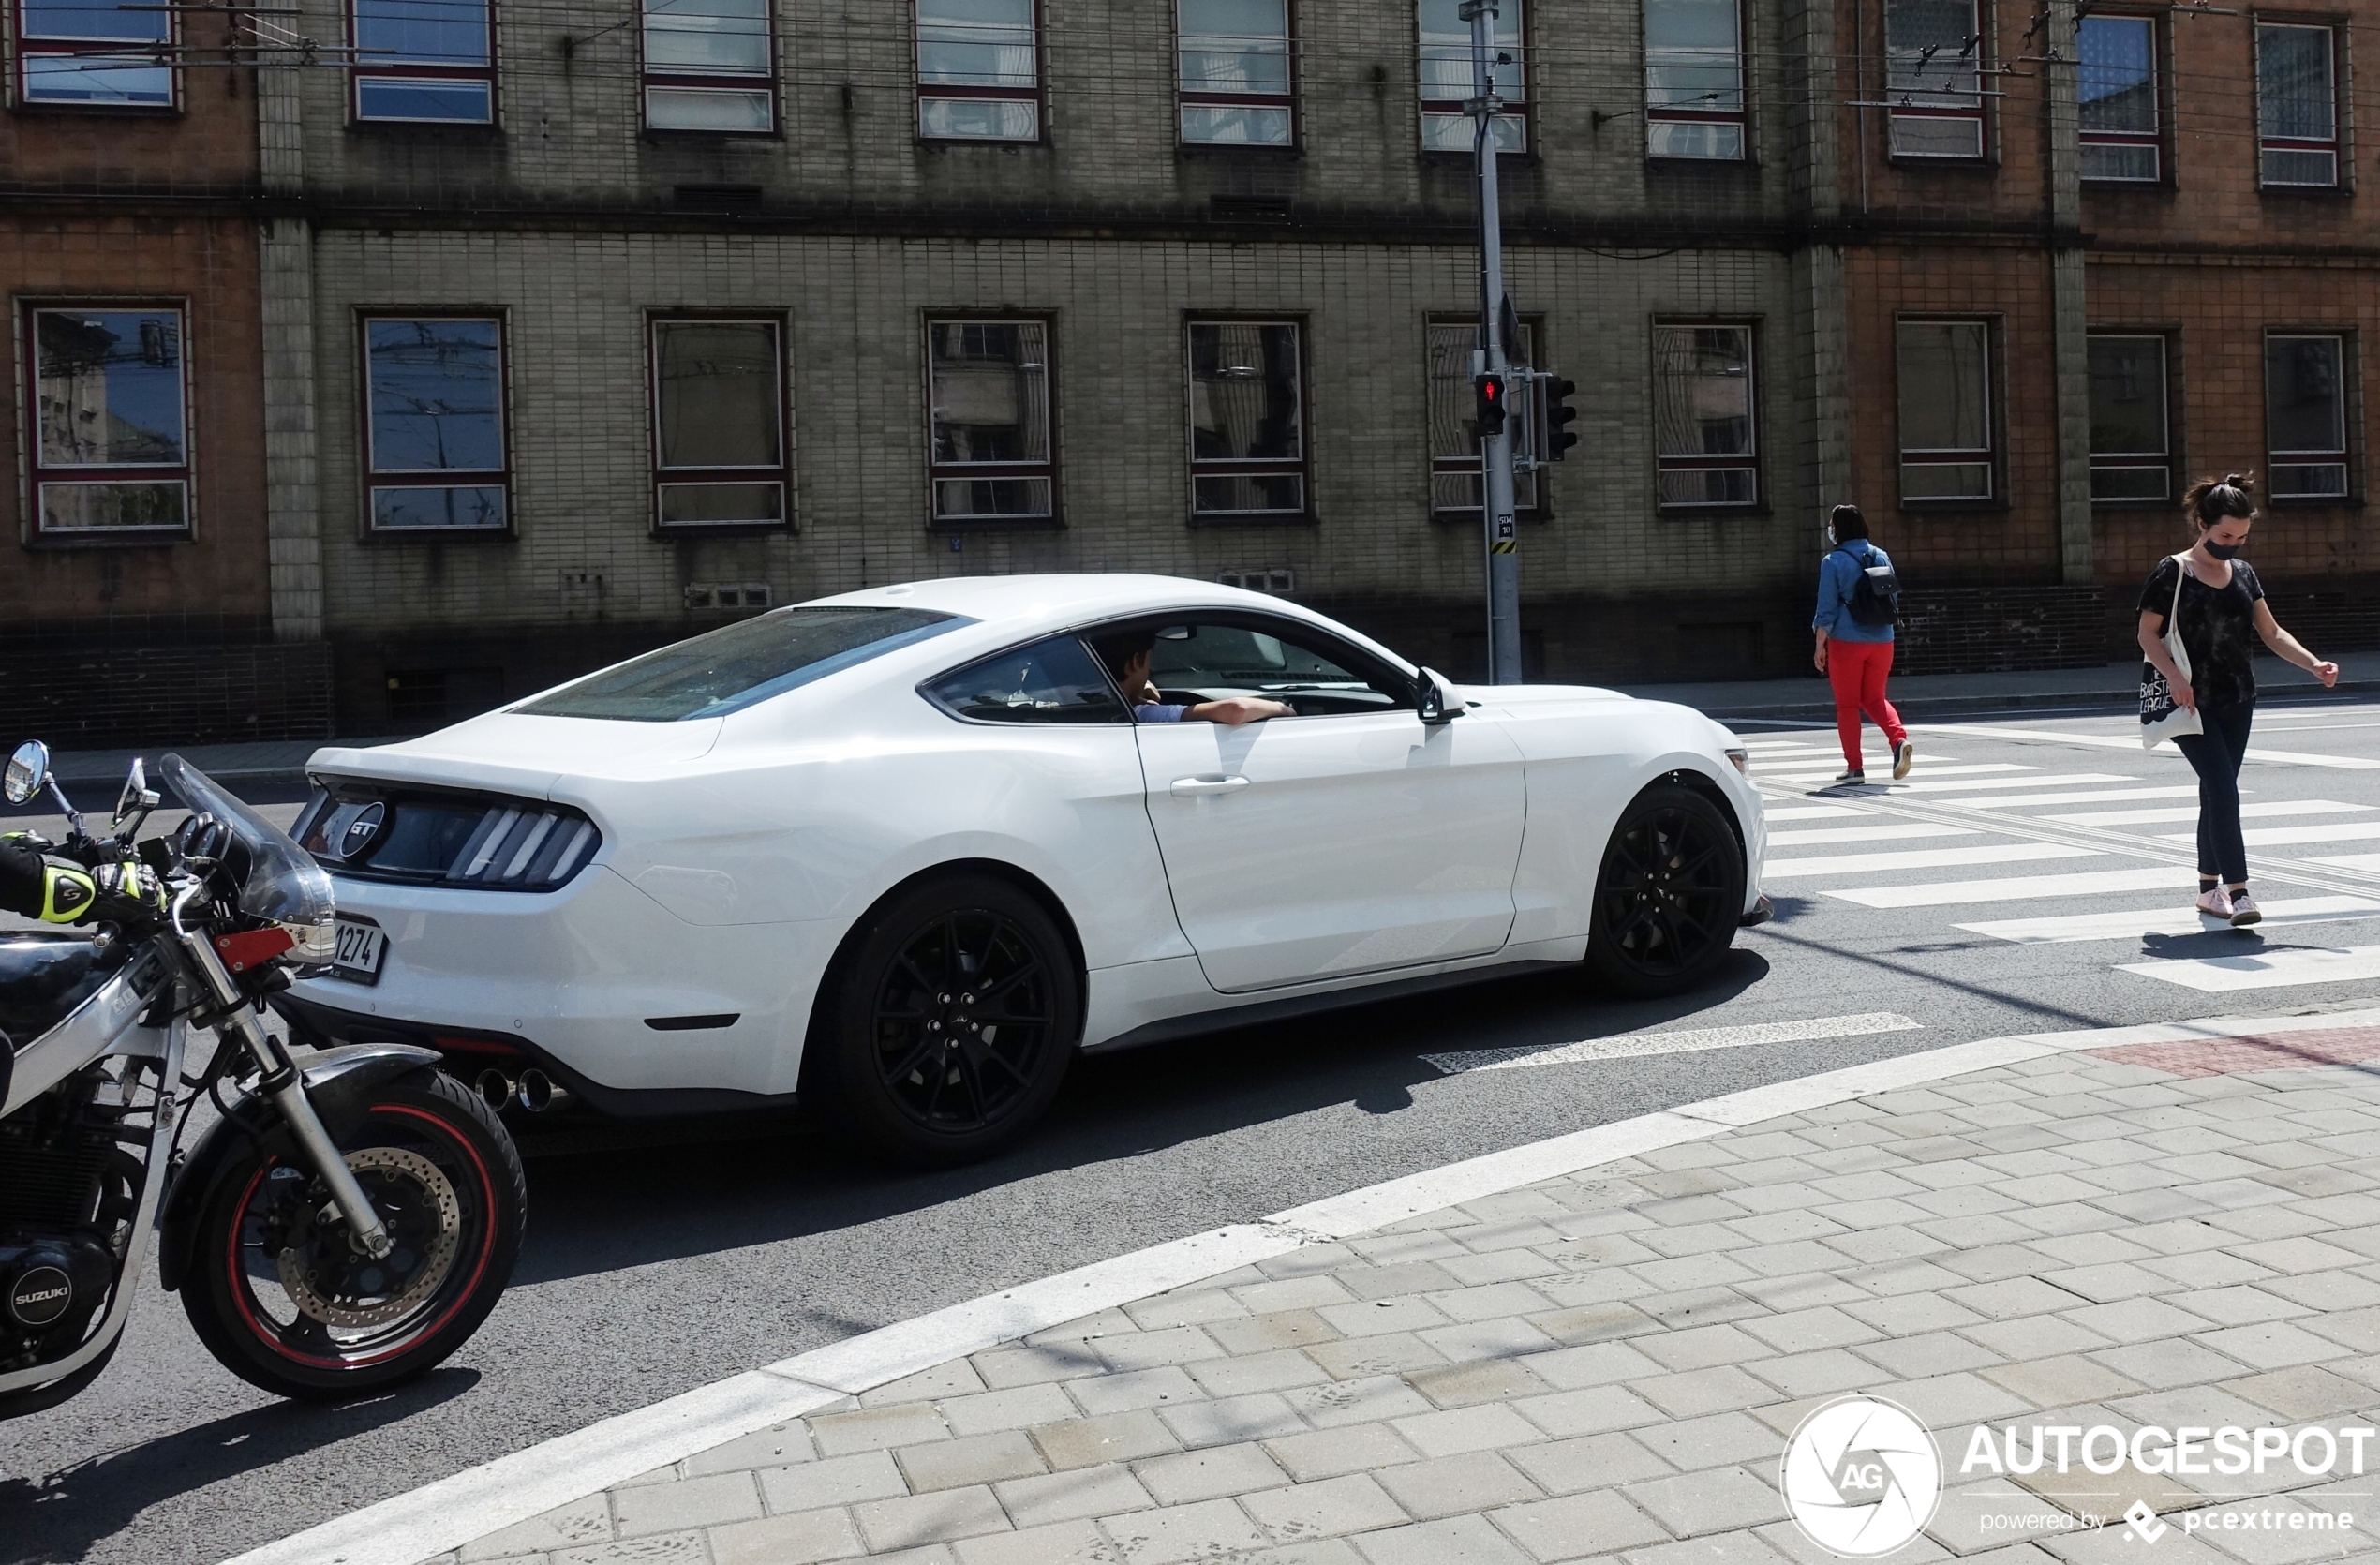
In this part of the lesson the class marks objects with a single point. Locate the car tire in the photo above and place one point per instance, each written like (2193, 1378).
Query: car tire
(1670, 896)
(951, 1022)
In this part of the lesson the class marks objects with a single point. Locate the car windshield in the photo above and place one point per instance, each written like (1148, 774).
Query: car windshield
(729, 669)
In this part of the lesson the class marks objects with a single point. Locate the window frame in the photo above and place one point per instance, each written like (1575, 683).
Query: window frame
(2343, 456)
(1524, 113)
(1741, 118)
(1243, 467)
(1046, 469)
(359, 73)
(650, 78)
(38, 474)
(2342, 164)
(781, 474)
(2165, 462)
(34, 46)
(1979, 113)
(1989, 457)
(1528, 488)
(371, 474)
(1292, 99)
(1666, 463)
(2153, 138)
(921, 91)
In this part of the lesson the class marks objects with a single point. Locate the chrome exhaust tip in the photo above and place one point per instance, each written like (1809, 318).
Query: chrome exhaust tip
(541, 1094)
(496, 1089)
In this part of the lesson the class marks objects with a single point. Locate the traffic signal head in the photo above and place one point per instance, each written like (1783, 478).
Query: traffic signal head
(1490, 412)
(1558, 414)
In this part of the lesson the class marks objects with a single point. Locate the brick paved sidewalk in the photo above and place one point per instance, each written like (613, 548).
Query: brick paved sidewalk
(1609, 1364)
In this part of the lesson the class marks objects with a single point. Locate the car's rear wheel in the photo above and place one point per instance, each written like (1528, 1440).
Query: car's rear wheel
(1670, 896)
(952, 1022)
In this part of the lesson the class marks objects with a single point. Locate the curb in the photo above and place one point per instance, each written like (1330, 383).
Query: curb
(411, 1528)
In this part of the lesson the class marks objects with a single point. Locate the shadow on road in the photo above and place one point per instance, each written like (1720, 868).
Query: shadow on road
(60, 1517)
(689, 1189)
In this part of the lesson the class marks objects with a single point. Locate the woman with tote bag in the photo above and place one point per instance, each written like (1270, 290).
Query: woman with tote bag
(2208, 600)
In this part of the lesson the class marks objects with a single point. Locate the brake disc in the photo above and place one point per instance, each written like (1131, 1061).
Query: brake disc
(342, 1291)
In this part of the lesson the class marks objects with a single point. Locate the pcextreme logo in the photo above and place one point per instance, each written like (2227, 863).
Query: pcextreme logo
(1861, 1477)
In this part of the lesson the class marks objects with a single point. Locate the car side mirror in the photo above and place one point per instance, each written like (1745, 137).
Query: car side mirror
(138, 797)
(28, 768)
(1435, 696)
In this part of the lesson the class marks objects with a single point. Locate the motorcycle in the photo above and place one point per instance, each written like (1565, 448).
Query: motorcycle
(349, 1219)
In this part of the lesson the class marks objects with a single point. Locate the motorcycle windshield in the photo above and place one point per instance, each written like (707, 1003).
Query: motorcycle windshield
(283, 883)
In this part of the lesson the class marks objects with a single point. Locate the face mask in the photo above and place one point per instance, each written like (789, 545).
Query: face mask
(1830, 537)
(2222, 551)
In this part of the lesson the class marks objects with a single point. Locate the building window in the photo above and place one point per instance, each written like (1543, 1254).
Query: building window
(1706, 437)
(1933, 60)
(988, 390)
(2306, 417)
(110, 422)
(425, 61)
(1236, 84)
(70, 55)
(2117, 85)
(719, 422)
(2131, 458)
(2297, 104)
(1247, 421)
(1446, 77)
(1946, 409)
(1455, 481)
(708, 67)
(979, 70)
(433, 417)
(1693, 78)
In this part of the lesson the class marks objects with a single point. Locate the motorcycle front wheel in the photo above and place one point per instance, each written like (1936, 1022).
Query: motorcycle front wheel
(278, 1293)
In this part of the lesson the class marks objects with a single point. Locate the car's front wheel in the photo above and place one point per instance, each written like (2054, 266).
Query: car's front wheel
(1670, 896)
(952, 1022)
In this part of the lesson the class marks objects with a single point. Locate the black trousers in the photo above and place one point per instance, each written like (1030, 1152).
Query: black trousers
(2215, 755)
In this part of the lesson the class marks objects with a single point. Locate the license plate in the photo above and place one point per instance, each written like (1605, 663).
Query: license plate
(363, 945)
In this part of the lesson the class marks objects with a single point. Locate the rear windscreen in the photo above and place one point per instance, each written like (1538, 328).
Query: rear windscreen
(730, 669)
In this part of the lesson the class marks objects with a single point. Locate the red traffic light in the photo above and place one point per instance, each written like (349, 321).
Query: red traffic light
(1490, 413)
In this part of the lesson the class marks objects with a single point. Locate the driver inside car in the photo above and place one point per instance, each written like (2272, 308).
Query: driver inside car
(1127, 659)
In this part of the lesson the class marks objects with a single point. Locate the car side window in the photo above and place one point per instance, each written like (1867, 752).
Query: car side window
(1055, 680)
(1203, 661)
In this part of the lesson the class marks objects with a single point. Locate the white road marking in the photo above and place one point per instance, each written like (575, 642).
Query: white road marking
(2282, 969)
(2126, 925)
(1964, 783)
(2367, 863)
(1629, 1046)
(2286, 757)
(1782, 774)
(2119, 818)
(2033, 800)
(1951, 893)
(1923, 859)
(466, 1506)
(1812, 813)
(2279, 836)
(1867, 834)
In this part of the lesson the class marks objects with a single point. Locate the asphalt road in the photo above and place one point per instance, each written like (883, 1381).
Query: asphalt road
(661, 1264)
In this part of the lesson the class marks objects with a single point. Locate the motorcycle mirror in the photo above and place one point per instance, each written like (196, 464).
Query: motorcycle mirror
(138, 797)
(28, 768)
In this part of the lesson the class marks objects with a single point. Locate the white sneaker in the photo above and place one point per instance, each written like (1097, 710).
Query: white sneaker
(2215, 903)
(2244, 910)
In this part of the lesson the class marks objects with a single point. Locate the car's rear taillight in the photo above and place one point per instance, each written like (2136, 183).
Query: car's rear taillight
(429, 838)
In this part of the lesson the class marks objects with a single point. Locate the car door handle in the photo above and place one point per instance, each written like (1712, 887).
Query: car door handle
(1201, 787)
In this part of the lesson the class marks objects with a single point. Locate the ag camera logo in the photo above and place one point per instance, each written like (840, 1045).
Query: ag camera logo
(1861, 1477)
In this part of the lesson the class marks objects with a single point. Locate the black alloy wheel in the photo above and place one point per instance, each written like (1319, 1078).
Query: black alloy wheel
(953, 1022)
(1671, 896)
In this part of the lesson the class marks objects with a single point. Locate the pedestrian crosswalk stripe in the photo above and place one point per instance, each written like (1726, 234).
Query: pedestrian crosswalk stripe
(2367, 863)
(2119, 818)
(2031, 801)
(1962, 784)
(1867, 834)
(2280, 969)
(1813, 812)
(2279, 836)
(1923, 859)
(1685, 1040)
(1785, 774)
(2133, 922)
(1781, 744)
(1951, 893)
(2286, 757)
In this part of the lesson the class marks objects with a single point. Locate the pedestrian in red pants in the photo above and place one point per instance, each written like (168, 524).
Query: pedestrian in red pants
(1858, 600)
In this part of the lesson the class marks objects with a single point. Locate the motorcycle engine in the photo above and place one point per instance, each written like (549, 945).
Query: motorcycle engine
(67, 1187)
(50, 1287)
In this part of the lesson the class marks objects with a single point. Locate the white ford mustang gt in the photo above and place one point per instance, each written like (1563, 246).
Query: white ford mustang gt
(908, 848)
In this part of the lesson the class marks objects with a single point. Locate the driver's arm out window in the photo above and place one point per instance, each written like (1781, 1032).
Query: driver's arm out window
(1206, 661)
(1050, 681)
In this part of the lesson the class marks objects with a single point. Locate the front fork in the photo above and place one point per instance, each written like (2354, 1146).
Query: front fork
(281, 1084)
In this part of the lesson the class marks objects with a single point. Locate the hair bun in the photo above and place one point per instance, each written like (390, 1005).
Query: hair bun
(2236, 480)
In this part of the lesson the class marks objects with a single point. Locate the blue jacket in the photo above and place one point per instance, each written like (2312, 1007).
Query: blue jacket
(1836, 575)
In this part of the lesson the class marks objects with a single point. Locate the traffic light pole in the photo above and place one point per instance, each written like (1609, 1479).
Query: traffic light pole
(1496, 445)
